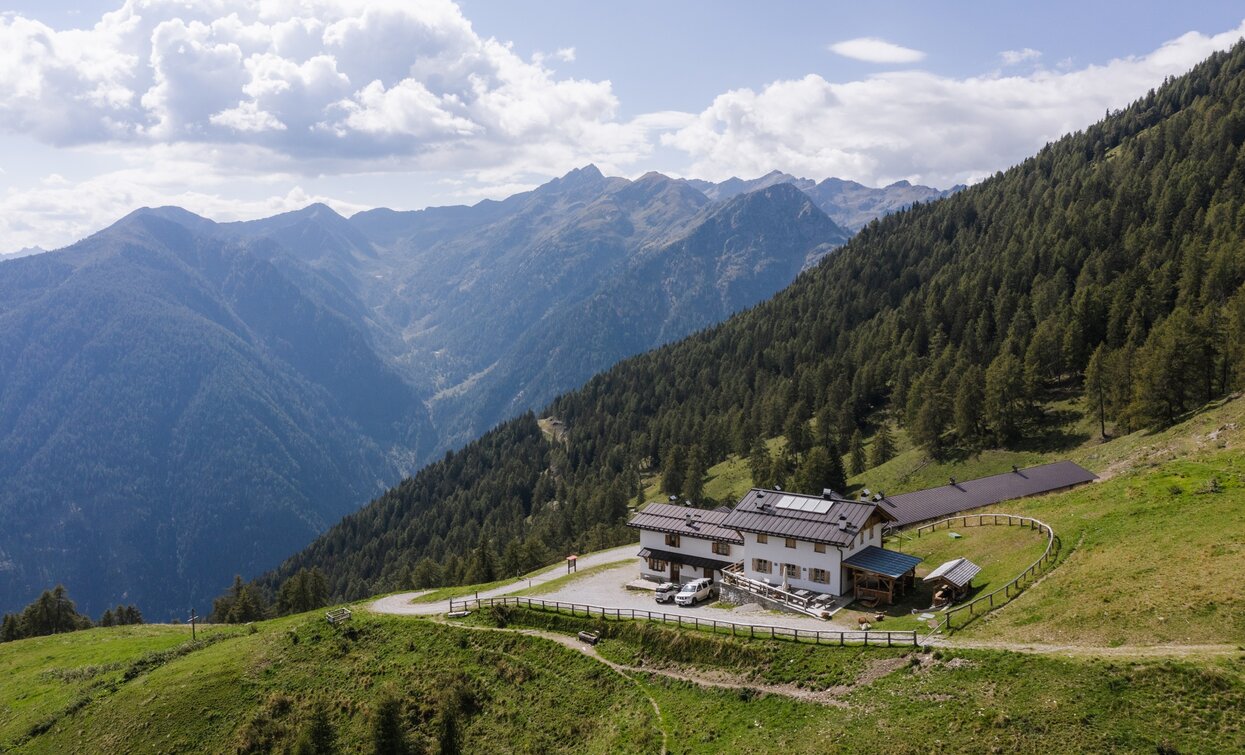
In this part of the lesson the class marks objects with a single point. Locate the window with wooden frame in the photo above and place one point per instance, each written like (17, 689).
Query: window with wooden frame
(761, 565)
(792, 570)
(762, 539)
(789, 542)
(657, 565)
(819, 547)
(722, 549)
(820, 576)
(672, 541)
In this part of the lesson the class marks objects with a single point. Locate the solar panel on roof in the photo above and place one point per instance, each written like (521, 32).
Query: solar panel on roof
(801, 503)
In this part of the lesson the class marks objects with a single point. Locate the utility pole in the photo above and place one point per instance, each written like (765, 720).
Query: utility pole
(193, 618)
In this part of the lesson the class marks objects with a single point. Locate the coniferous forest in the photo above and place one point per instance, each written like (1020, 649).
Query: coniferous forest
(1110, 266)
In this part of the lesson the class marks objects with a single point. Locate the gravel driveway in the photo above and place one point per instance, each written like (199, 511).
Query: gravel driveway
(401, 604)
(608, 589)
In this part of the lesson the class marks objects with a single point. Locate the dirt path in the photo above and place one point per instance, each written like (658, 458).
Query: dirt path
(874, 670)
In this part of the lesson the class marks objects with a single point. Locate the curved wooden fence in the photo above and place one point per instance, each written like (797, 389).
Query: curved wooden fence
(752, 631)
(983, 604)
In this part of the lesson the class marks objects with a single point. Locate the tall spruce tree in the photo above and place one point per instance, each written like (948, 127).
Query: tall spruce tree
(883, 449)
(857, 453)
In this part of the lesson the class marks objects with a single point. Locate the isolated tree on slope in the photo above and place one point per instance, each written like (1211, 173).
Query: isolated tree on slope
(883, 446)
(857, 453)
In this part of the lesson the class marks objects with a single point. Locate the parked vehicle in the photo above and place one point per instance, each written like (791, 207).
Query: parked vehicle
(695, 591)
(666, 591)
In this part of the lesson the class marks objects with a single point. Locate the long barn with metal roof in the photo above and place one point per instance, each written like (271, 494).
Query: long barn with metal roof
(957, 496)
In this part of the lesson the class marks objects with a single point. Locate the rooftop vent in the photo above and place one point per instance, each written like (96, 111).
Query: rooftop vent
(864, 493)
(952, 482)
(760, 494)
(877, 496)
(674, 499)
(827, 493)
(778, 488)
(1016, 469)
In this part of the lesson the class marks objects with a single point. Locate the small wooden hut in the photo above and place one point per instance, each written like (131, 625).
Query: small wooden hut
(951, 581)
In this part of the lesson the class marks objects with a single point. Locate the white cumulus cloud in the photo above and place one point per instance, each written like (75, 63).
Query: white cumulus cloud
(312, 82)
(1013, 57)
(919, 125)
(875, 50)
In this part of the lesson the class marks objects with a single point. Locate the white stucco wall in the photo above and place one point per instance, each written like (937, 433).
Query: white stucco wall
(803, 555)
(692, 546)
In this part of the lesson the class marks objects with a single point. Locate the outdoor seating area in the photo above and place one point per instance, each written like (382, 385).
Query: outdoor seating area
(801, 600)
(879, 575)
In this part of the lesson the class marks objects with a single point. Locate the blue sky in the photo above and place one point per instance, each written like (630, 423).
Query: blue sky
(236, 112)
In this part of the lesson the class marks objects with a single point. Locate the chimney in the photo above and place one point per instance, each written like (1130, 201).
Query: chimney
(827, 494)
(843, 526)
(1015, 469)
(674, 499)
(760, 494)
(953, 482)
(778, 488)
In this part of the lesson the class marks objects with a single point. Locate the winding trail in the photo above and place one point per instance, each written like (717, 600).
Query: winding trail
(401, 605)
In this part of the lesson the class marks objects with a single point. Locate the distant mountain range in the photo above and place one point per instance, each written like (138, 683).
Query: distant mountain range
(182, 399)
(848, 203)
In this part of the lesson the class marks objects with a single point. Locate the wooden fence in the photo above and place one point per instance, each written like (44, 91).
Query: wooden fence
(985, 603)
(734, 629)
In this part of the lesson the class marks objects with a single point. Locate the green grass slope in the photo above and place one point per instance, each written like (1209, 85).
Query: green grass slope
(254, 692)
(475, 689)
(1152, 554)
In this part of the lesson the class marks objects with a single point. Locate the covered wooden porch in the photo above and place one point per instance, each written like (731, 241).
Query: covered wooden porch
(879, 575)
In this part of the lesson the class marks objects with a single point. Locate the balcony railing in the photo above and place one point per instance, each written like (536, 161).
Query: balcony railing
(733, 576)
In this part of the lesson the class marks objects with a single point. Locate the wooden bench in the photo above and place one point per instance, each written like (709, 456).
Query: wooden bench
(337, 616)
(591, 638)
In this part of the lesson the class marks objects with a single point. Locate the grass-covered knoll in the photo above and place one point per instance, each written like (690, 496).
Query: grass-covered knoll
(1156, 556)
(255, 692)
(941, 701)
(44, 675)
(1002, 553)
(474, 690)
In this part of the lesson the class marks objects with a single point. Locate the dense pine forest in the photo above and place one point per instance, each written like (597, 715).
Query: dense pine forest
(1108, 266)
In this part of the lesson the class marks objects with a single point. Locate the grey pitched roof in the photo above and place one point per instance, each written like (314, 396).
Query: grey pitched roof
(881, 561)
(804, 517)
(957, 571)
(700, 562)
(934, 503)
(705, 524)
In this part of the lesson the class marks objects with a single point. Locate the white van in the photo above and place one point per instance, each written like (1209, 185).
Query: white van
(695, 591)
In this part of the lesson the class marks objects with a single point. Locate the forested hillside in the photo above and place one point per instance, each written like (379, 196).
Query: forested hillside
(165, 420)
(1111, 261)
(183, 400)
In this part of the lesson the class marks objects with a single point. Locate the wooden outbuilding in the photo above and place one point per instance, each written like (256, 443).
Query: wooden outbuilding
(952, 581)
(878, 574)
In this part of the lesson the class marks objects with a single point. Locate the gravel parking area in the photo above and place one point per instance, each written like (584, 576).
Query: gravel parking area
(608, 588)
